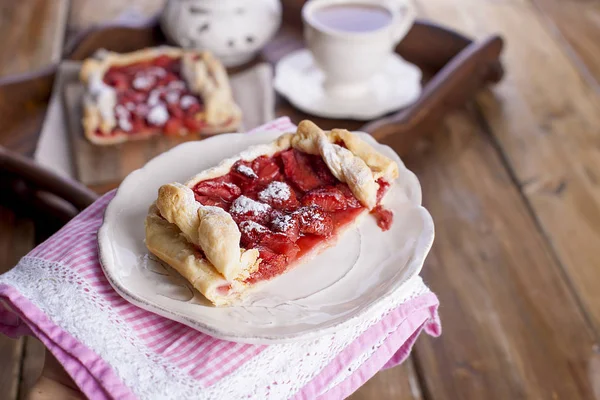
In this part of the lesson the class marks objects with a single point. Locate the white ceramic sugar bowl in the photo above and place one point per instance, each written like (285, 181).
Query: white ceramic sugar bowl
(234, 30)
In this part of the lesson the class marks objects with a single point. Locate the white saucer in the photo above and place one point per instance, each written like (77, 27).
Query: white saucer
(299, 80)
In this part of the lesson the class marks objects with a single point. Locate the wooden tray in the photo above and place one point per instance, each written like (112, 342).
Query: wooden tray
(454, 68)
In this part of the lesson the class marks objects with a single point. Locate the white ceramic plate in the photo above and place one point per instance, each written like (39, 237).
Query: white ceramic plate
(299, 80)
(349, 280)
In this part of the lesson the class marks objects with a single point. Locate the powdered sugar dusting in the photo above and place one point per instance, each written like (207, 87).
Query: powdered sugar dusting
(124, 124)
(121, 111)
(187, 101)
(248, 227)
(157, 71)
(142, 82)
(176, 85)
(314, 220)
(309, 213)
(275, 191)
(244, 205)
(158, 115)
(172, 97)
(154, 97)
(142, 109)
(282, 222)
(310, 216)
(246, 171)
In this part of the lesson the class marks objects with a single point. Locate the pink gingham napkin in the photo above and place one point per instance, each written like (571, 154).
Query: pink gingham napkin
(113, 349)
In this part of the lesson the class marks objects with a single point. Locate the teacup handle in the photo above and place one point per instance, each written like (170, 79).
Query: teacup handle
(404, 11)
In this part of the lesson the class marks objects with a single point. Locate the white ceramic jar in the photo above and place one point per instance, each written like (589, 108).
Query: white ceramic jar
(233, 30)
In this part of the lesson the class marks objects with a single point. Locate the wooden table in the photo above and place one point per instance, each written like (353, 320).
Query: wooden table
(512, 181)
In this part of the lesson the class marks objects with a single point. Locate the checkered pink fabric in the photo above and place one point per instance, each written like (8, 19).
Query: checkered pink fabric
(205, 359)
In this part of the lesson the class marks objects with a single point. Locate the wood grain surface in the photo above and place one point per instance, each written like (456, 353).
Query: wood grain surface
(512, 183)
(505, 306)
(548, 134)
(16, 239)
(398, 383)
(87, 13)
(32, 32)
(575, 26)
(10, 349)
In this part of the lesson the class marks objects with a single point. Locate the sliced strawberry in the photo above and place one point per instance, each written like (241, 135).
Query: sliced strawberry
(351, 201)
(210, 201)
(137, 124)
(242, 172)
(313, 220)
(117, 79)
(218, 188)
(175, 110)
(286, 224)
(266, 169)
(252, 232)
(141, 110)
(280, 244)
(193, 124)
(131, 96)
(298, 169)
(271, 265)
(173, 127)
(383, 187)
(244, 176)
(383, 216)
(168, 78)
(194, 108)
(279, 195)
(323, 171)
(244, 208)
(162, 61)
(330, 199)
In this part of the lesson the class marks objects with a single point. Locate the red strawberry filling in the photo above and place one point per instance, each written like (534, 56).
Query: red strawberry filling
(285, 206)
(279, 195)
(298, 169)
(222, 188)
(153, 94)
(383, 216)
(287, 224)
(329, 198)
(314, 220)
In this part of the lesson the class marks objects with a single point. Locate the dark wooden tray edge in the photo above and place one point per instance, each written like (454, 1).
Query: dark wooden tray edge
(461, 67)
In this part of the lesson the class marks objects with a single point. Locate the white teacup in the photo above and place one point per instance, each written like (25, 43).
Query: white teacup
(352, 39)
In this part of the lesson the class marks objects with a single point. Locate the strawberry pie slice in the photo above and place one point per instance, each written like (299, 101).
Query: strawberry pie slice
(274, 206)
(155, 91)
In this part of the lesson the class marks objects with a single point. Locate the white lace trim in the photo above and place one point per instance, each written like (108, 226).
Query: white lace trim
(74, 306)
